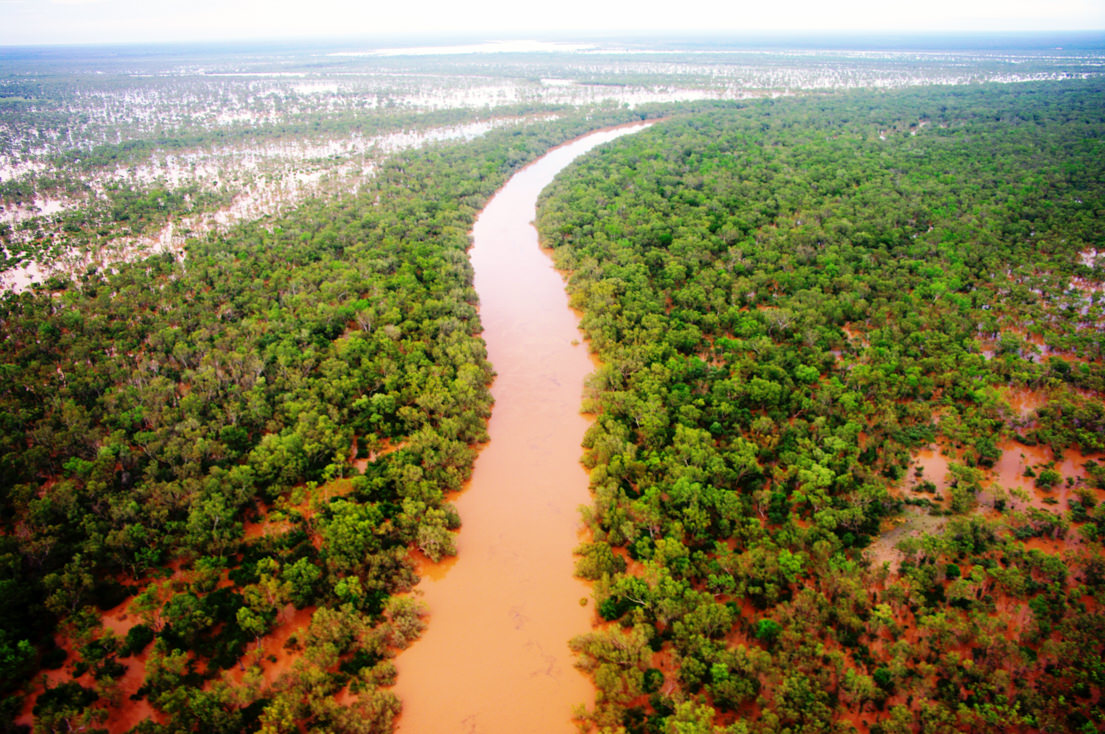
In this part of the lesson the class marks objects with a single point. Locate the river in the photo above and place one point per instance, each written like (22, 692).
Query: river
(495, 657)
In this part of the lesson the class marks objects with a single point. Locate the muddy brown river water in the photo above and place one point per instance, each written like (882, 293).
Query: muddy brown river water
(495, 657)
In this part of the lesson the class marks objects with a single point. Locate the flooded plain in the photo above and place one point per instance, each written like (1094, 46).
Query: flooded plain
(268, 179)
(495, 657)
(1009, 489)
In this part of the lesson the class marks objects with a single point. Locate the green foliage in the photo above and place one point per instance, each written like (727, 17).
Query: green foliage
(790, 298)
(148, 414)
(65, 705)
(767, 630)
(138, 637)
(1048, 478)
(598, 560)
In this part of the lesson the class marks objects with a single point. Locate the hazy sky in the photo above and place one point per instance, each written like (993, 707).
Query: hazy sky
(105, 21)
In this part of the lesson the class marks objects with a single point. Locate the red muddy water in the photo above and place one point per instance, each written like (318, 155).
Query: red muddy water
(1016, 457)
(495, 656)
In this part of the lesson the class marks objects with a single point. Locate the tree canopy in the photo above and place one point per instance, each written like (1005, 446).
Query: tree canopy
(791, 299)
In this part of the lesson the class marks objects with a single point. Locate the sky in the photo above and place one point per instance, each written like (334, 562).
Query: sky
(139, 21)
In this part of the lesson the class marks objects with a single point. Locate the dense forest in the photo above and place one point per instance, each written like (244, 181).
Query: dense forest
(792, 300)
(848, 455)
(249, 439)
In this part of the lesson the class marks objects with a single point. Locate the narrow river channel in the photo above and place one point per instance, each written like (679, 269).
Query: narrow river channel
(495, 657)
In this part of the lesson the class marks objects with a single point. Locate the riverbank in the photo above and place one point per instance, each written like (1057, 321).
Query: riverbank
(495, 657)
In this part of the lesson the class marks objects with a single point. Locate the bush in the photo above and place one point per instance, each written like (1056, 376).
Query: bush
(767, 631)
(138, 637)
(1048, 478)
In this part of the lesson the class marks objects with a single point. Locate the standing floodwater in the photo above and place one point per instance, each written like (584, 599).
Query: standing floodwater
(495, 658)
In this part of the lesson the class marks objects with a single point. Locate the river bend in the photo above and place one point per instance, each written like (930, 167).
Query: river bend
(495, 657)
